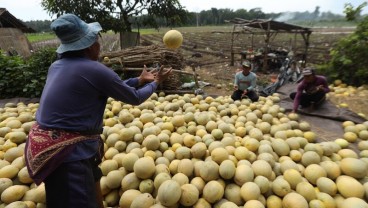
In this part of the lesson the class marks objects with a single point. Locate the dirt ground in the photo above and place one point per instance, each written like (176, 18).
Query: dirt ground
(208, 53)
(221, 76)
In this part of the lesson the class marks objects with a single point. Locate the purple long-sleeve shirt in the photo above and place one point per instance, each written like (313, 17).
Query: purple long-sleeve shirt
(308, 87)
(74, 99)
(76, 92)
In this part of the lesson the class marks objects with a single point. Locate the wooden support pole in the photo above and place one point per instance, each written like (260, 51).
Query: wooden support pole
(306, 41)
(232, 46)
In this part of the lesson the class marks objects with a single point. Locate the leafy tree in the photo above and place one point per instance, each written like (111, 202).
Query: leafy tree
(215, 14)
(316, 12)
(118, 15)
(351, 13)
(349, 58)
(39, 25)
(256, 13)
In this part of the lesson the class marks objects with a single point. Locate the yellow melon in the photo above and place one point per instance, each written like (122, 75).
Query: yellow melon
(327, 200)
(198, 150)
(293, 177)
(144, 200)
(114, 178)
(343, 143)
(13, 193)
(189, 195)
(310, 157)
(17, 137)
(353, 202)
(213, 191)
(280, 147)
(293, 200)
(313, 172)
(241, 153)
(23, 176)
(151, 142)
(354, 167)
(280, 187)
(9, 171)
(199, 183)
(169, 193)
(350, 137)
(232, 193)
(327, 185)
(262, 168)
(293, 116)
(227, 169)
(253, 204)
(243, 174)
(126, 134)
(160, 178)
(18, 204)
(250, 191)
(202, 203)
(219, 154)
(173, 39)
(304, 126)
(130, 181)
(209, 170)
(348, 186)
(144, 167)
(13, 153)
(186, 167)
(310, 136)
(274, 201)
(306, 190)
(315, 203)
(217, 134)
(127, 197)
(228, 204)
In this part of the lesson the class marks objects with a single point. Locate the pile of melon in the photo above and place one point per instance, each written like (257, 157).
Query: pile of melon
(190, 151)
(347, 96)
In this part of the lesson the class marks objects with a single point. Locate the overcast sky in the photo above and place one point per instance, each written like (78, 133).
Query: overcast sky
(27, 10)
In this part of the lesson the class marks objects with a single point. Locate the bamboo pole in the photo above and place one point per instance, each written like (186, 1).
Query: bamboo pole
(141, 69)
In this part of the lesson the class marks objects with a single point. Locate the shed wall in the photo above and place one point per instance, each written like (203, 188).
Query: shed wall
(12, 39)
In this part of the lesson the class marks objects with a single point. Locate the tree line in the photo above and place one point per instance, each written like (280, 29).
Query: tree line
(213, 16)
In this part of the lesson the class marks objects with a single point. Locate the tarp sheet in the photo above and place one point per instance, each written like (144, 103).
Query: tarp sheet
(325, 120)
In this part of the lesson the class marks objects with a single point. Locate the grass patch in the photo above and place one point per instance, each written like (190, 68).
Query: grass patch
(37, 37)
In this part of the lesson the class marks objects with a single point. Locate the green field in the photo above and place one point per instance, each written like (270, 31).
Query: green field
(37, 37)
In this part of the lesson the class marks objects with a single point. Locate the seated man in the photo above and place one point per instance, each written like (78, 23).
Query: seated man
(293, 71)
(311, 91)
(245, 83)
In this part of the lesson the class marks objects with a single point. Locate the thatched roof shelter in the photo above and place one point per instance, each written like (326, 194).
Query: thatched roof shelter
(269, 28)
(12, 38)
(7, 20)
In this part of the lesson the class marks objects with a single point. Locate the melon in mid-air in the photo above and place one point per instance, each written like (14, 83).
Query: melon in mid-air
(173, 39)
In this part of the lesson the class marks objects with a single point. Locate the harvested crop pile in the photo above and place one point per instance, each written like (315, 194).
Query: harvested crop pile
(191, 151)
(138, 56)
(131, 61)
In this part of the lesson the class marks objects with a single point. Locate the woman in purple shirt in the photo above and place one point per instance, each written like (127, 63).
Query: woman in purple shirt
(311, 91)
(64, 147)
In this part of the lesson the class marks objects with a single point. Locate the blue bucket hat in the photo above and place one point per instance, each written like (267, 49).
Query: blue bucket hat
(74, 33)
